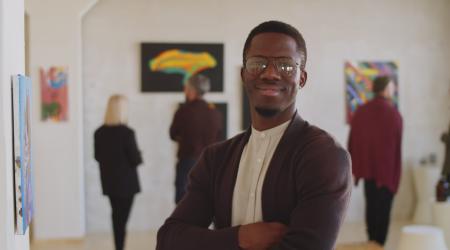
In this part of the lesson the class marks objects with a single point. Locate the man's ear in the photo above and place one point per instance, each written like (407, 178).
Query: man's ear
(242, 73)
(303, 78)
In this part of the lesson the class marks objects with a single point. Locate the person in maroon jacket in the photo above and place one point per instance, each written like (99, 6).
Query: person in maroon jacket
(375, 146)
(282, 184)
(196, 124)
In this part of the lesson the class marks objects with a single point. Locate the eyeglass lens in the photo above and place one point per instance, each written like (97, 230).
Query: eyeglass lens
(284, 65)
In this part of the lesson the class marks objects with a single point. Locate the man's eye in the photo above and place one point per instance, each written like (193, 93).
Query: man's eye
(258, 65)
(286, 67)
(262, 65)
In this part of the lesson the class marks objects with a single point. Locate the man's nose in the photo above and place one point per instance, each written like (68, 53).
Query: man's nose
(270, 73)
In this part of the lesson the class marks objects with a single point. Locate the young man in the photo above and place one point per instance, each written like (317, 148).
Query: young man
(282, 184)
(375, 146)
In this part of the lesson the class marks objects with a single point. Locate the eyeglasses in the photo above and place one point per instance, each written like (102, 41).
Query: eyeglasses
(257, 64)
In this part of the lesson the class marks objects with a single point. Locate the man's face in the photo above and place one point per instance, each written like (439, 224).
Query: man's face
(273, 89)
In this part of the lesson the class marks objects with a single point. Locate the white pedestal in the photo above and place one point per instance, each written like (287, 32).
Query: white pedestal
(441, 218)
(425, 180)
(420, 237)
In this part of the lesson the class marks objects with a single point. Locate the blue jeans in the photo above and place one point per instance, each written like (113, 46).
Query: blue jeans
(181, 179)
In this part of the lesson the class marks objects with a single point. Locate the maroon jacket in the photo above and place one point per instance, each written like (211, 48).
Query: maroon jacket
(196, 124)
(307, 188)
(375, 143)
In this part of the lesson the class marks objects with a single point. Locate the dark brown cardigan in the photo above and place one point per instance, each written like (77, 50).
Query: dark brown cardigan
(307, 187)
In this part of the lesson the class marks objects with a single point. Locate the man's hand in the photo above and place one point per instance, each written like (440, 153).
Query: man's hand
(260, 235)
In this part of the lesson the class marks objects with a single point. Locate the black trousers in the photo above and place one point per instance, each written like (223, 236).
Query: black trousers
(121, 207)
(378, 211)
(181, 179)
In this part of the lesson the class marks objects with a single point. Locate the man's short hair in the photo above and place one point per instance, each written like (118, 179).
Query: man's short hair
(200, 83)
(278, 27)
(379, 84)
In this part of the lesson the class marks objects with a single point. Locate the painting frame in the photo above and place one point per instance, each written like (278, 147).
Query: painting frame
(21, 91)
(165, 67)
(54, 93)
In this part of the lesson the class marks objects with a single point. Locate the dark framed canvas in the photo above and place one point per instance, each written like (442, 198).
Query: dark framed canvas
(223, 108)
(246, 119)
(165, 67)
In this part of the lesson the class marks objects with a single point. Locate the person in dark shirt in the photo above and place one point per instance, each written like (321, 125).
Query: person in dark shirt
(118, 155)
(375, 146)
(196, 124)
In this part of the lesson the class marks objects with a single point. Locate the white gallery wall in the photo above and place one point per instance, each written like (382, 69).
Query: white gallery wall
(55, 40)
(12, 62)
(413, 33)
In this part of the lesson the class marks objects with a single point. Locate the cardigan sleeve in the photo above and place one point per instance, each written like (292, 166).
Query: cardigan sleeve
(323, 183)
(187, 227)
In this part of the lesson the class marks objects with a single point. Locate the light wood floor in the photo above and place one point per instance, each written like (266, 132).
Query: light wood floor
(351, 237)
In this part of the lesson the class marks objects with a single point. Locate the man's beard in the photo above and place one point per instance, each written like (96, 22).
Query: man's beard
(267, 112)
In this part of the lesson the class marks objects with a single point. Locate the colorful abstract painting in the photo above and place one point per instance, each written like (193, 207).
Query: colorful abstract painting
(358, 81)
(165, 67)
(54, 91)
(23, 175)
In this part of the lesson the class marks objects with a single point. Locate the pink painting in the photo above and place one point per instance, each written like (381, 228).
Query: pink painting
(54, 94)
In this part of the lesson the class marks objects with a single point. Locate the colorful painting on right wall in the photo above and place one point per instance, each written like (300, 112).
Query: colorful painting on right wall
(358, 82)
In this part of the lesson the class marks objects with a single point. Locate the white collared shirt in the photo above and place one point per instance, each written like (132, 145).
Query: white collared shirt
(253, 165)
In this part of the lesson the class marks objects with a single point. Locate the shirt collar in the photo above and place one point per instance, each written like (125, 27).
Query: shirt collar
(271, 131)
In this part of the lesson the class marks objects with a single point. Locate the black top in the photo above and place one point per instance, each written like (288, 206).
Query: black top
(118, 156)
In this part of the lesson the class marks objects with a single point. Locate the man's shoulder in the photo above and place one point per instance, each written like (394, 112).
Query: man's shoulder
(182, 107)
(322, 151)
(313, 138)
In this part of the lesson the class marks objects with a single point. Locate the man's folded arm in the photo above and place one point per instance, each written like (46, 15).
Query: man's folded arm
(187, 227)
(324, 188)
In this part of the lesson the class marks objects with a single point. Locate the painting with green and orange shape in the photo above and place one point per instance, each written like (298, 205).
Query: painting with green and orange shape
(186, 63)
(165, 67)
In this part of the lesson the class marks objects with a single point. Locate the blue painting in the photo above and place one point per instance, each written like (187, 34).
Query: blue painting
(23, 175)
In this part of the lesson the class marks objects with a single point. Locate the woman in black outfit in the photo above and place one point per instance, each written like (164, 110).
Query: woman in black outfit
(117, 153)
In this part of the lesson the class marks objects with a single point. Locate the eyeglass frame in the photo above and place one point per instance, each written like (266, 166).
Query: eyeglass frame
(272, 61)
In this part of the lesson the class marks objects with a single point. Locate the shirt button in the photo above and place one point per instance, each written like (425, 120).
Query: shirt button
(259, 160)
(252, 195)
(263, 135)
